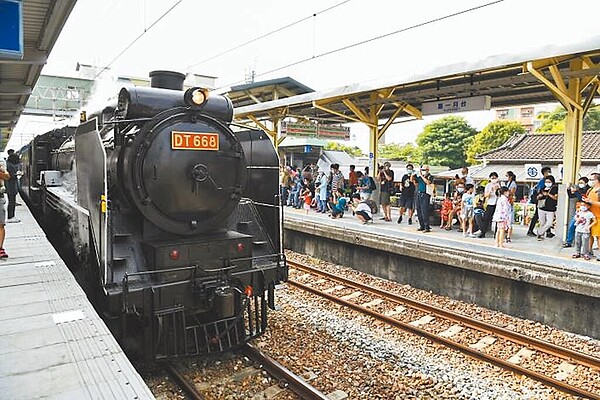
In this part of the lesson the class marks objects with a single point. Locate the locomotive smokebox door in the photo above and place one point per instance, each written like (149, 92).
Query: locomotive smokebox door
(224, 302)
(185, 173)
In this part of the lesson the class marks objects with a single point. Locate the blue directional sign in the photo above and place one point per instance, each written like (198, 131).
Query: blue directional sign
(11, 29)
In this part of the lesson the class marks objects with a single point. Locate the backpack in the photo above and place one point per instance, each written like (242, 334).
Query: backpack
(372, 185)
(372, 205)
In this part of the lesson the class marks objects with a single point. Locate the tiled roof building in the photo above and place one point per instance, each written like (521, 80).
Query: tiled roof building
(543, 147)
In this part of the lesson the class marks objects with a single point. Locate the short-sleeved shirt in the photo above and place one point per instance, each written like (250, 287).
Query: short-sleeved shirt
(422, 185)
(467, 200)
(550, 204)
(364, 182)
(583, 220)
(365, 208)
(385, 184)
(341, 204)
(352, 178)
(492, 198)
(408, 187)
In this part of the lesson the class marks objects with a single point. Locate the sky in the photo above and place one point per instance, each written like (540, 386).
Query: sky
(191, 36)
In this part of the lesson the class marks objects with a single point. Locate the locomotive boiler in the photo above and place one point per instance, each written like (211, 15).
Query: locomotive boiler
(175, 217)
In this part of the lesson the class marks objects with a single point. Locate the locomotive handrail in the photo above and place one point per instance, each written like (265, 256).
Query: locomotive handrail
(118, 121)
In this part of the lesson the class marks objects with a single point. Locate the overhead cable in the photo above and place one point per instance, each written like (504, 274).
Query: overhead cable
(419, 25)
(268, 34)
(137, 38)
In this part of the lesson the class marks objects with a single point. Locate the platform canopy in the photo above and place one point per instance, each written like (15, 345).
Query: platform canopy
(545, 74)
(42, 22)
(264, 91)
(503, 77)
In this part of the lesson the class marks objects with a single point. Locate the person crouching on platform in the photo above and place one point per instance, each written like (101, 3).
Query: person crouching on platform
(4, 176)
(338, 209)
(361, 209)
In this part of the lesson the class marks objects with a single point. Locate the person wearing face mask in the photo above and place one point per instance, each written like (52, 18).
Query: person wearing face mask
(538, 188)
(575, 193)
(407, 194)
(584, 222)
(547, 201)
(491, 195)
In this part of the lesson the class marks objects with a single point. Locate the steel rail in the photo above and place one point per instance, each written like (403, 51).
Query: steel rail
(296, 383)
(547, 347)
(523, 339)
(187, 386)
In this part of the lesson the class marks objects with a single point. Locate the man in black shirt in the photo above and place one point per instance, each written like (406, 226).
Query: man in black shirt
(407, 194)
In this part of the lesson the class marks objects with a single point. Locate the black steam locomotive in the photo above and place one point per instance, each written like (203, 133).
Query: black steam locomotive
(175, 219)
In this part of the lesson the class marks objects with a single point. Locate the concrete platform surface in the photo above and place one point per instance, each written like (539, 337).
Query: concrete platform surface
(544, 262)
(53, 344)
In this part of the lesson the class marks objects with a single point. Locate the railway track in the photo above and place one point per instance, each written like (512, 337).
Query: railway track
(286, 378)
(546, 362)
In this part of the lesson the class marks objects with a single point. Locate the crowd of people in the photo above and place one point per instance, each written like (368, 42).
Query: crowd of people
(473, 209)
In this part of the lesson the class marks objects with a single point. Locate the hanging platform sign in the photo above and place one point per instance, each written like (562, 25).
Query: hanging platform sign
(457, 105)
(335, 132)
(297, 129)
(11, 29)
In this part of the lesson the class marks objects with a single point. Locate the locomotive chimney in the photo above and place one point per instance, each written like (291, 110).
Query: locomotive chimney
(167, 80)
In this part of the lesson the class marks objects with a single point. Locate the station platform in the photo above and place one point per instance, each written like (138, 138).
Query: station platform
(533, 279)
(53, 344)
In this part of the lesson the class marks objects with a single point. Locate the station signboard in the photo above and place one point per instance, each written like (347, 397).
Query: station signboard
(11, 29)
(457, 105)
(322, 131)
(533, 171)
(333, 132)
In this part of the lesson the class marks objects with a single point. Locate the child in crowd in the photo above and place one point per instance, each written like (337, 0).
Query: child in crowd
(467, 201)
(306, 197)
(584, 220)
(479, 209)
(445, 211)
(502, 216)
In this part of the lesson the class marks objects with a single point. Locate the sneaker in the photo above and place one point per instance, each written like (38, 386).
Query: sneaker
(13, 221)
(400, 219)
(532, 234)
(472, 235)
(427, 230)
(565, 245)
(540, 237)
(586, 257)
(577, 255)
(3, 254)
(477, 233)
(550, 235)
(410, 221)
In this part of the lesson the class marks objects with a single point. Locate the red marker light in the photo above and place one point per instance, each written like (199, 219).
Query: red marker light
(174, 255)
(249, 291)
(240, 247)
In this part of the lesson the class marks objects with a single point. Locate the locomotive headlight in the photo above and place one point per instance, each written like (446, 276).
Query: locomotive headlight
(195, 96)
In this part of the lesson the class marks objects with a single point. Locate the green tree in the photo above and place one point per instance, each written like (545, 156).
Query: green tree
(554, 121)
(444, 141)
(395, 151)
(492, 136)
(335, 146)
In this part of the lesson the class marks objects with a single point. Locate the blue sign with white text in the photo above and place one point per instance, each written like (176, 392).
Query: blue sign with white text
(11, 29)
